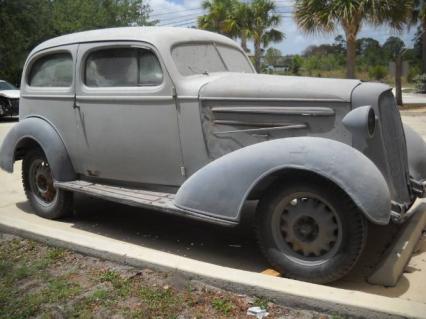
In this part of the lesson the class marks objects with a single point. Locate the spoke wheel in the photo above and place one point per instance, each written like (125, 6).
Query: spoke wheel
(307, 227)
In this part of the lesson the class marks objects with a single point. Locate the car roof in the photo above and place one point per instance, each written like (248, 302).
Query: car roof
(158, 36)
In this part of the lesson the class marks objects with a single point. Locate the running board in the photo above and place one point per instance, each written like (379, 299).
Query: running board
(139, 198)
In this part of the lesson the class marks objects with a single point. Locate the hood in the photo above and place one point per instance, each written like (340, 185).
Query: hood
(265, 86)
(10, 94)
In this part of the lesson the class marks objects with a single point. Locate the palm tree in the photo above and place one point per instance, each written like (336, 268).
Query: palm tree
(315, 16)
(218, 11)
(264, 20)
(419, 15)
(239, 21)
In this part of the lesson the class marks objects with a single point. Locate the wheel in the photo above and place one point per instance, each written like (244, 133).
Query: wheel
(310, 230)
(47, 201)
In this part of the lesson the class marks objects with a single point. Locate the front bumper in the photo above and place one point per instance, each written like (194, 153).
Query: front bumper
(401, 212)
(418, 188)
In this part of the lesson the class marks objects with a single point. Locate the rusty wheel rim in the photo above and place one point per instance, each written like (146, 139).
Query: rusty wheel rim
(41, 182)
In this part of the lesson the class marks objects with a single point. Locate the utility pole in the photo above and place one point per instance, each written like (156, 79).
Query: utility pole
(398, 76)
(398, 57)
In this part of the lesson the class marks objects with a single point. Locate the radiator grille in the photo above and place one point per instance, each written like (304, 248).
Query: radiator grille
(394, 145)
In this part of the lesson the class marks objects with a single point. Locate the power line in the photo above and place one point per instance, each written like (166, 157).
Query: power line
(179, 17)
(176, 24)
(185, 23)
(178, 20)
(280, 6)
(170, 20)
(174, 11)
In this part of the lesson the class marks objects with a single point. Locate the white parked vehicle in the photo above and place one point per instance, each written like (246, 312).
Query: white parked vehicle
(9, 99)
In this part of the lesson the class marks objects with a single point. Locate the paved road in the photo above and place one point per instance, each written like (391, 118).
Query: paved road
(229, 247)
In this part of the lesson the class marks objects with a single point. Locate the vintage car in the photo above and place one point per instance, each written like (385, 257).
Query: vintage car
(9, 99)
(177, 120)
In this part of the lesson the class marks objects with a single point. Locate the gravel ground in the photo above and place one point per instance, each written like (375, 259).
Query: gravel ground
(38, 281)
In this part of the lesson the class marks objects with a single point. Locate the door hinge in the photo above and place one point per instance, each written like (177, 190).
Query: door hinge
(183, 171)
(174, 92)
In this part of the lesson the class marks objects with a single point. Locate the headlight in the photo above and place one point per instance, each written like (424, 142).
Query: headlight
(361, 122)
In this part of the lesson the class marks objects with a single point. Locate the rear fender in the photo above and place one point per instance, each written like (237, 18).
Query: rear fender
(220, 188)
(32, 131)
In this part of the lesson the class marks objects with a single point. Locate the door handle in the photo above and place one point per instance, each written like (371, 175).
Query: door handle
(76, 105)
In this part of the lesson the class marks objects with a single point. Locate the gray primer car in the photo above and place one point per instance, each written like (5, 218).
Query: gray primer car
(177, 120)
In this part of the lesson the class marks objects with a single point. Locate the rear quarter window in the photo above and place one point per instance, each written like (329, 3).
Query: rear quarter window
(53, 70)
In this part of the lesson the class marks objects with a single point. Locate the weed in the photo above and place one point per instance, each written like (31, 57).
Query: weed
(59, 289)
(55, 253)
(222, 305)
(5, 268)
(160, 301)
(261, 302)
(121, 285)
(110, 276)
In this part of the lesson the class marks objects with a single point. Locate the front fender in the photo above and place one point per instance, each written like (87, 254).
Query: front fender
(220, 188)
(416, 153)
(40, 131)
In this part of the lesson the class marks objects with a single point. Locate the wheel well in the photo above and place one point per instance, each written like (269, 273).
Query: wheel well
(24, 146)
(280, 177)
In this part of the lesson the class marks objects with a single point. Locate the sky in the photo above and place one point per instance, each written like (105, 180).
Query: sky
(184, 13)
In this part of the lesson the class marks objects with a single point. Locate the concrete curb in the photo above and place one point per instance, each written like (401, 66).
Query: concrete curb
(398, 255)
(281, 290)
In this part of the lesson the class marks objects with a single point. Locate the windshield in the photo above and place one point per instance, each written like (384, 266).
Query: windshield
(204, 58)
(6, 86)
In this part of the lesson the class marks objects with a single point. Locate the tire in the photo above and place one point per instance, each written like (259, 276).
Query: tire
(47, 201)
(310, 230)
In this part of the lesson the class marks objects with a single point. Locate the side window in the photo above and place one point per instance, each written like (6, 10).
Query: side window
(122, 67)
(54, 70)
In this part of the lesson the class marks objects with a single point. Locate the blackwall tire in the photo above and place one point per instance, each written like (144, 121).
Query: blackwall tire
(296, 247)
(47, 201)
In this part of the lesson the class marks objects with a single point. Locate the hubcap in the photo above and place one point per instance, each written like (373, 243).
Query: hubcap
(42, 182)
(309, 228)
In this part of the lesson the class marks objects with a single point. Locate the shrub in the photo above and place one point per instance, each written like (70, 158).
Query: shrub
(420, 83)
(413, 71)
(377, 72)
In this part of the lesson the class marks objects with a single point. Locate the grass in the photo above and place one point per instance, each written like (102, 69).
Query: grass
(46, 282)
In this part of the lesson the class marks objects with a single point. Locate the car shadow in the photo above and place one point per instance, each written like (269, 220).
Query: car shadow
(9, 119)
(230, 247)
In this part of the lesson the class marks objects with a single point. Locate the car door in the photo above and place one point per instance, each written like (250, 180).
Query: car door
(126, 115)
